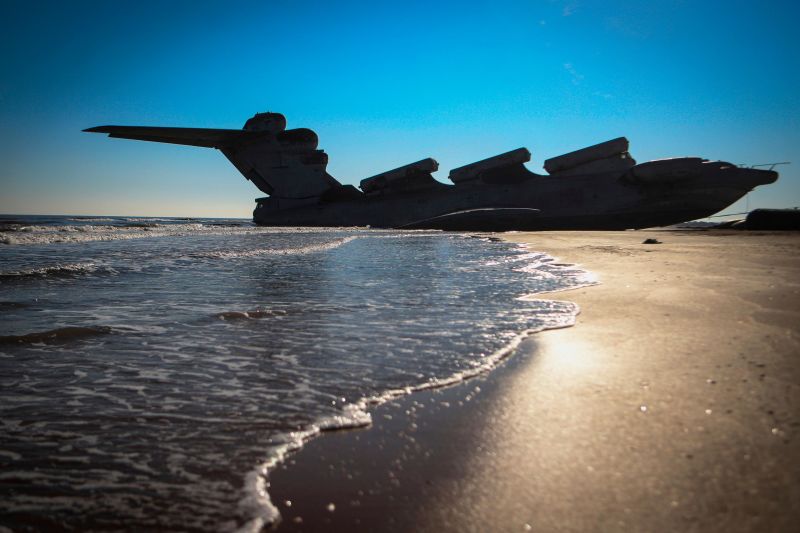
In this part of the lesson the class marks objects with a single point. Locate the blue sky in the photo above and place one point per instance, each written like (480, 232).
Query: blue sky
(383, 84)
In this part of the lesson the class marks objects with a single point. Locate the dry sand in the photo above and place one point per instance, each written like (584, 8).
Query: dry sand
(672, 405)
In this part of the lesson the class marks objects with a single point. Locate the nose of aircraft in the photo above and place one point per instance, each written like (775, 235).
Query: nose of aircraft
(756, 176)
(772, 176)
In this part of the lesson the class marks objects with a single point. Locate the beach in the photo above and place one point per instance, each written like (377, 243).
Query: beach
(671, 405)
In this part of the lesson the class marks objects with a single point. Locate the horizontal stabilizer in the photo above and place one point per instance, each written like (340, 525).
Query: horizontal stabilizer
(206, 137)
(485, 219)
(283, 163)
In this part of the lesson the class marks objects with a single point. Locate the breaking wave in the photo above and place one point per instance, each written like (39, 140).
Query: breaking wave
(57, 271)
(299, 250)
(16, 232)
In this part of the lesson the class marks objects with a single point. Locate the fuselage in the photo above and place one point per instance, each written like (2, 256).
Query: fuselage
(606, 201)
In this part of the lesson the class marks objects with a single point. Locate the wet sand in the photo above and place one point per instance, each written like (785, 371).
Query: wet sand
(672, 405)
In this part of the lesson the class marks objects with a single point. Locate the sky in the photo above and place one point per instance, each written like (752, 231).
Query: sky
(383, 84)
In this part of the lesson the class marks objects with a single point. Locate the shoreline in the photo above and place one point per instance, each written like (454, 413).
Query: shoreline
(672, 404)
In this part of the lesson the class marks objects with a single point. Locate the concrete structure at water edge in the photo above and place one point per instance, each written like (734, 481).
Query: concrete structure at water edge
(600, 187)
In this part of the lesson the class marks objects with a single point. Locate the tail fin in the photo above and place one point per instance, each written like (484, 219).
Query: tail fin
(282, 163)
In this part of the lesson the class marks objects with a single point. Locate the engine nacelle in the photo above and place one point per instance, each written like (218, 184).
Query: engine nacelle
(408, 177)
(604, 150)
(476, 170)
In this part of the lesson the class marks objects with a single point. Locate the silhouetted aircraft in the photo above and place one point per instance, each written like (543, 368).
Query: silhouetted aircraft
(595, 188)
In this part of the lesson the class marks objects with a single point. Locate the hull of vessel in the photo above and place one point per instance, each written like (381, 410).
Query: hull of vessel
(594, 202)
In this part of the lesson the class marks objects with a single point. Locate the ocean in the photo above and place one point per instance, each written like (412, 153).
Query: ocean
(152, 370)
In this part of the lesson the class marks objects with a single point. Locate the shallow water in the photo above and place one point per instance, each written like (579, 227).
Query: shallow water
(153, 369)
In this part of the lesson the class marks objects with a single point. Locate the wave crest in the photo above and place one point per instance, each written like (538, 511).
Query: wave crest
(312, 248)
(247, 315)
(55, 271)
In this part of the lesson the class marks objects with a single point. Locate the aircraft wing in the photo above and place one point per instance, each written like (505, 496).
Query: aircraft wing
(206, 137)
